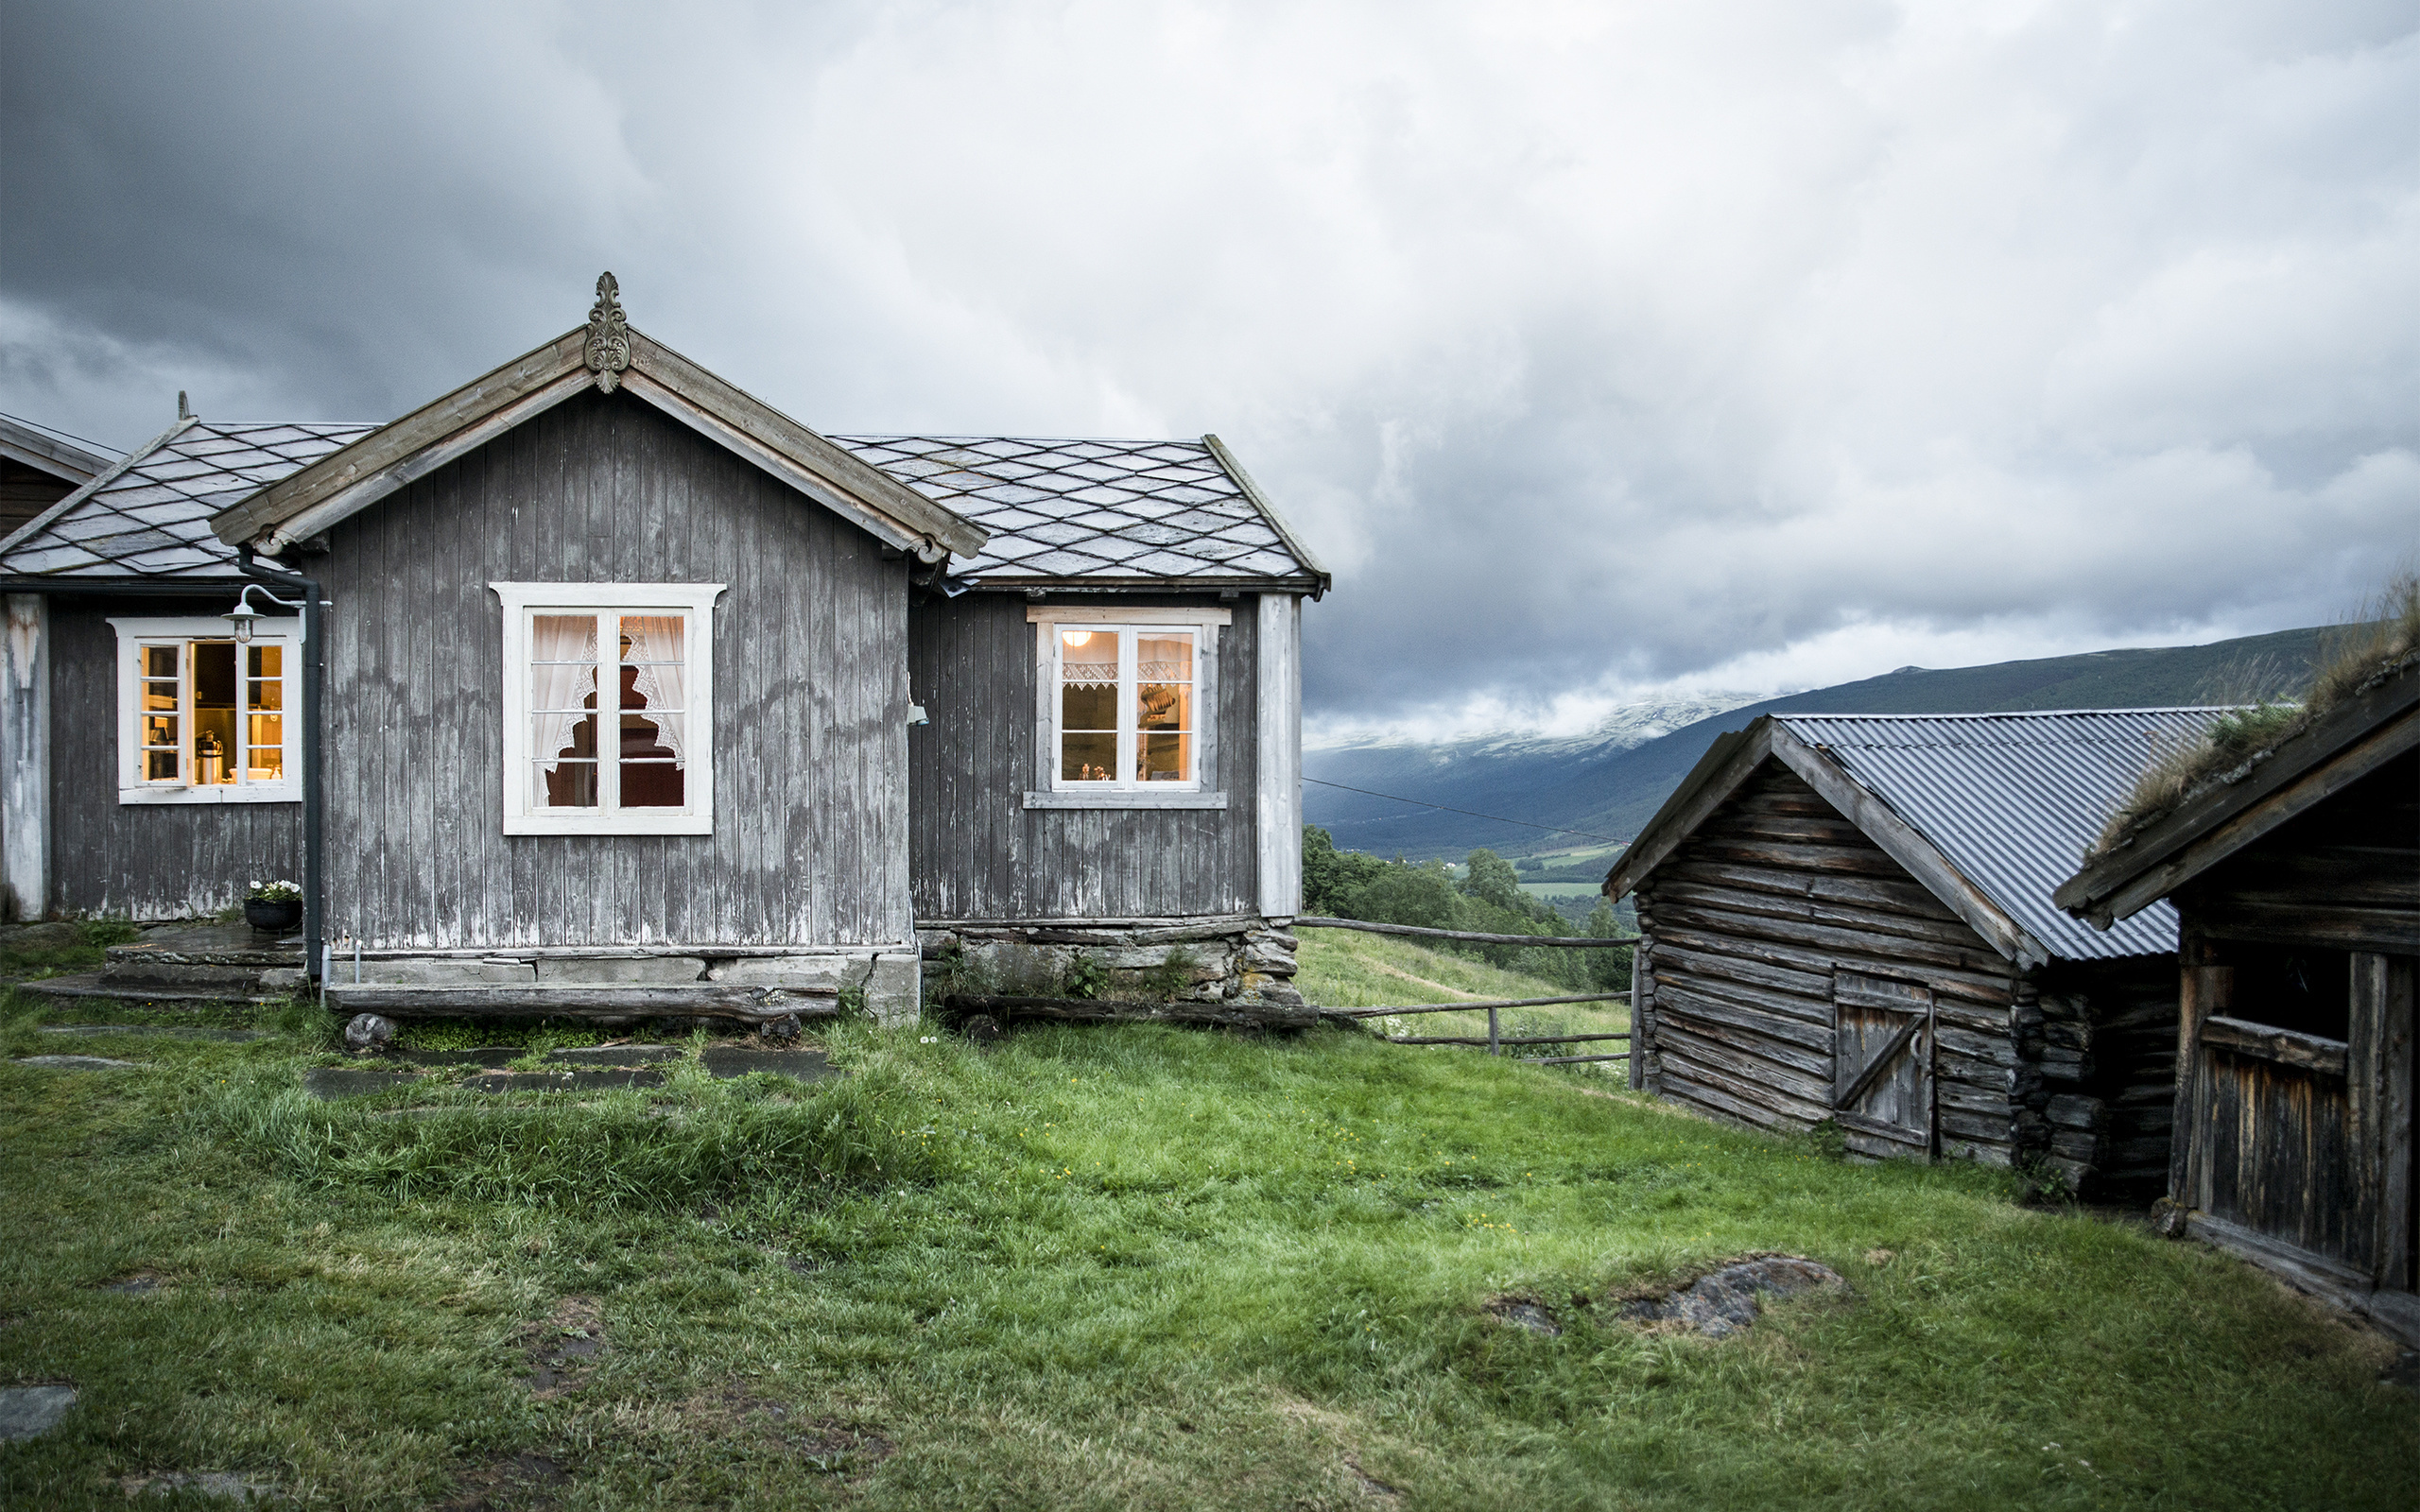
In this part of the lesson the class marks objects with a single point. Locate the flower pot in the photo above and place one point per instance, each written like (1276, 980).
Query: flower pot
(277, 916)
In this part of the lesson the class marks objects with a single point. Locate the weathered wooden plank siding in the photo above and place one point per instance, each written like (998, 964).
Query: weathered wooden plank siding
(810, 699)
(2316, 1159)
(1747, 923)
(976, 852)
(143, 860)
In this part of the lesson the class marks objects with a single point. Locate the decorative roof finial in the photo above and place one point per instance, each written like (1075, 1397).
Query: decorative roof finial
(609, 335)
(184, 410)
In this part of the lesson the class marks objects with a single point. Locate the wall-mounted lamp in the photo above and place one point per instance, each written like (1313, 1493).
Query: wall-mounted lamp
(243, 616)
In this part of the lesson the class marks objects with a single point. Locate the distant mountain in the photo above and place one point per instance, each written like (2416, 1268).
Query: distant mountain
(1610, 782)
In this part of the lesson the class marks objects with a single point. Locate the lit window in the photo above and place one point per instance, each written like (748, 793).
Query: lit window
(608, 702)
(1126, 711)
(203, 718)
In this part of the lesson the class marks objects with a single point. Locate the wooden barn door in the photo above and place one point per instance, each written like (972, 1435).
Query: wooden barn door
(1882, 1055)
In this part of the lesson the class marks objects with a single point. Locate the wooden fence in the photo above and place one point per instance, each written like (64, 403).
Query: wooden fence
(1495, 1039)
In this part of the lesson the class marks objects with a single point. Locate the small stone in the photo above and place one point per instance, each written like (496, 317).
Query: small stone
(368, 1034)
(217, 1484)
(29, 1412)
(781, 1031)
(1523, 1314)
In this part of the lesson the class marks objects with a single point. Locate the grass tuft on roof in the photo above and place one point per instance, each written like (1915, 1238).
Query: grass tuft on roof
(2382, 640)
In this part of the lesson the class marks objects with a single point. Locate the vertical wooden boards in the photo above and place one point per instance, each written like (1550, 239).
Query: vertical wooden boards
(1882, 1064)
(811, 775)
(25, 756)
(976, 852)
(2378, 1076)
(1278, 764)
(143, 860)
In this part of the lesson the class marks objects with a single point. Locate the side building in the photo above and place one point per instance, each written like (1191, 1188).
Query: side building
(2297, 887)
(1848, 919)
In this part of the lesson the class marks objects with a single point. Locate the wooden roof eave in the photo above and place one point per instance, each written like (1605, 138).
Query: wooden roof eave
(1724, 769)
(349, 480)
(2348, 743)
(69, 463)
(1321, 577)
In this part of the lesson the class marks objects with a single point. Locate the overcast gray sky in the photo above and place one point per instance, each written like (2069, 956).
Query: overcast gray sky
(1598, 347)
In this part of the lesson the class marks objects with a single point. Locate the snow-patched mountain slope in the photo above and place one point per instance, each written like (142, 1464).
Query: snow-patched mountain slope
(1608, 782)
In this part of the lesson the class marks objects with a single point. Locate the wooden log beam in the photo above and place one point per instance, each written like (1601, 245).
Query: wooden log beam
(1466, 937)
(2286, 1048)
(1482, 1006)
(1506, 1040)
(537, 1000)
(1232, 1013)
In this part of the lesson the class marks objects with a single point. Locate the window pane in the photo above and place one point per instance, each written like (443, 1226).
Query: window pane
(159, 729)
(654, 733)
(1088, 758)
(160, 696)
(160, 767)
(1164, 659)
(267, 760)
(266, 733)
(159, 661)
(562, 785)
(562, 737)
(266, 661)
(1088, 693)
(1164, 759)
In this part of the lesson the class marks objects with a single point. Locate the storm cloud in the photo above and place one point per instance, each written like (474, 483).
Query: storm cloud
(1598, 348)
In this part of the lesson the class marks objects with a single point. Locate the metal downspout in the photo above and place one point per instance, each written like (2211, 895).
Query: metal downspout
(314, 786)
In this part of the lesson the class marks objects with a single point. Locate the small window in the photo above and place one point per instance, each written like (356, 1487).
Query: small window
(1127, 713)
(203, 716)
(608, 708)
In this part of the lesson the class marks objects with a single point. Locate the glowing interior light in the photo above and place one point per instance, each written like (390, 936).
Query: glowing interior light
(1077, 637)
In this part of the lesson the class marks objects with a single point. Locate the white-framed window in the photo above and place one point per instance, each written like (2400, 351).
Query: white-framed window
(204, 718)
(608, 708)
(1127, 699)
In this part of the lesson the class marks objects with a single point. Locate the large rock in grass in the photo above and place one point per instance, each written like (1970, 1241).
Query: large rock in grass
(1723, 1302)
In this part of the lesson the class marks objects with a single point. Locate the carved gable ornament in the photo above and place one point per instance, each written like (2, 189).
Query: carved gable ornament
(609, 335)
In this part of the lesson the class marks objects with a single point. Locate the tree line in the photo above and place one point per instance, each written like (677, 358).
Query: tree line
(1488, 900)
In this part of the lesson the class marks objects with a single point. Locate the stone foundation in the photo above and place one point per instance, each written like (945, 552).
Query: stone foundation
(891, 980)
(1232, 957)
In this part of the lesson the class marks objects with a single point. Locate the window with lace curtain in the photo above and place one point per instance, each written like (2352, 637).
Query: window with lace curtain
(1126, 706)
(608, 708)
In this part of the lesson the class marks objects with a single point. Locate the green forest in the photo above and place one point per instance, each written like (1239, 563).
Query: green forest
(1486, 899)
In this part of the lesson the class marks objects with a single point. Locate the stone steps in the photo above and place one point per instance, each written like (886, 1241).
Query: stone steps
(189, 963)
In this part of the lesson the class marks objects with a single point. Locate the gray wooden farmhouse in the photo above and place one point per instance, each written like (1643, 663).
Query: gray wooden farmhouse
(1848, 919)
(598, 685)
(2296, 879)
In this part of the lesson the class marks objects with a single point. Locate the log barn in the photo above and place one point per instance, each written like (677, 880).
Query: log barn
(2296, 879)
(1847, 918)
(599, 685)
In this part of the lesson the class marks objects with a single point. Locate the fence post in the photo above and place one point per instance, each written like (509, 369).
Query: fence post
(1492, 1048)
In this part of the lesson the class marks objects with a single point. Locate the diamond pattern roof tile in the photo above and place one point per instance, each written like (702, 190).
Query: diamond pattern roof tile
(151, 518)
(1147, 510)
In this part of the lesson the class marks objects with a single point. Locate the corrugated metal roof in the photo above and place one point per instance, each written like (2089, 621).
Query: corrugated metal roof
(2011, 800)
(1150, 510)
(150, 517)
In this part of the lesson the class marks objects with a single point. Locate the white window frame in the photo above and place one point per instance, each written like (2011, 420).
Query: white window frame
(520, 600)
(182, 631)
(1051, 791)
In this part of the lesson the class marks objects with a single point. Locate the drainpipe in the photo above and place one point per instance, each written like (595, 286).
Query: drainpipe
(314, 786)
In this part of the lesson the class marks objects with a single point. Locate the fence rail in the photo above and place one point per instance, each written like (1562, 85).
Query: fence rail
(1467, 936)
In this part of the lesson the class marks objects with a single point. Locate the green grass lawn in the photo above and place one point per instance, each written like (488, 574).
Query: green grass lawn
(1098, 1267)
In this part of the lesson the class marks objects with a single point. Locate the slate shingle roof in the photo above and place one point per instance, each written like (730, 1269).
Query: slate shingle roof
(2011, 800)
(150, 517)
(1148, 511)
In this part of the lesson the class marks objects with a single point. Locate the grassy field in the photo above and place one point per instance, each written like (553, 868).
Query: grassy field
(1344, 968)
(1097, 1269)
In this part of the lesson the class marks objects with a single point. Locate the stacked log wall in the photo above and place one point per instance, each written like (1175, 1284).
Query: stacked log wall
(1746, 924)
(2109, 1066)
